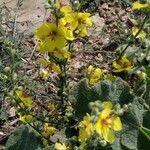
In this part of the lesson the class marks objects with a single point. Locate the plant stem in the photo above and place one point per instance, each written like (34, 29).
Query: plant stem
(63, 76)
(130, 41)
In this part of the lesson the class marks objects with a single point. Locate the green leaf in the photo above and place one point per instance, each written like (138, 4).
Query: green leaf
(138, 110)
(80, 96)
(3, 115)
(116, 145)
(120, 92)
(24, 138)
(129, 138)
(117, 91)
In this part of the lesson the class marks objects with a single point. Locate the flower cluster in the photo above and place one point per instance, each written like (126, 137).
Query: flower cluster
(107, 121)
(53, 38)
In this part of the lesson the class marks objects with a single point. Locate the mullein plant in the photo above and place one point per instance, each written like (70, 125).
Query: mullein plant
(96, 122)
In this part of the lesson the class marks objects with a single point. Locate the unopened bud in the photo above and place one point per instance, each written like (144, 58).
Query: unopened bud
(91, 105)
(76, 3)
(130, 106)
(7, 69)
(125, 108)
(103, 143)
(120, 112)
(148, 58)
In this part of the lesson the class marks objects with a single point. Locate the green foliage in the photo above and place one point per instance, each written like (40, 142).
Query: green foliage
(81, 95)
(24, 138)
(3, 115)
(115, 91)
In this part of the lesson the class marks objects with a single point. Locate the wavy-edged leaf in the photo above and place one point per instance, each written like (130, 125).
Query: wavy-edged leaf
(24, 138)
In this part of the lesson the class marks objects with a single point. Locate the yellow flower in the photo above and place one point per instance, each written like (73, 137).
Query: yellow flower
(93, 74)
(84, 21)
(85, 129)
(25, 118)
(123, 64)
(141, 35)
(68, 25)
(24, 99)
(44, 74)
(61, 53)
(49, 37)
(138, 5)
(108, 122)
(50, 65)
(60, 146)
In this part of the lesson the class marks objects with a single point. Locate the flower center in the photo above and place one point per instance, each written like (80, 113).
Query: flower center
(81, 21)
(123, 64)
(67, 26)
(24, 94)
(107, 121)
(53, 34)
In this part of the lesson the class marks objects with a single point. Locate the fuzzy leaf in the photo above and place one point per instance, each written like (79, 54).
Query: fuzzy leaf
(81, 95)
(116, 145)
(129, 138)
(23, 138)
(120, 92)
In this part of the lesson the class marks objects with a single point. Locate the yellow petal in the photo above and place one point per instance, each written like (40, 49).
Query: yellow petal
(108, 135)
(43, 62)
(107, 105)
(141, 35)
(66, 9)
(116, 123)
(98, 127)
(46, 45)
(55, 68)
(105, 113)
(60, 146)
(43, 30)
(60, 42)
(116, 65)
(138, 5)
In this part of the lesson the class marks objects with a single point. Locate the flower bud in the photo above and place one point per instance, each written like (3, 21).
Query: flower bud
(129, 106)
(125, 108)
(103, 143)
(91, 105)
(120, 112)
(76, 4)
(7, 69)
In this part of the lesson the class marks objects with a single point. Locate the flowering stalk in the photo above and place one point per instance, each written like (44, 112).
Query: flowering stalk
(140, 29)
